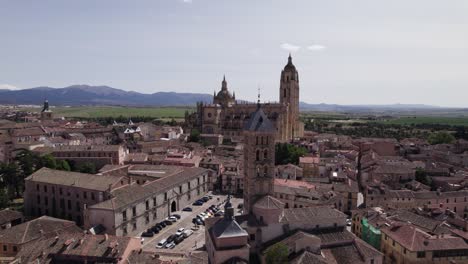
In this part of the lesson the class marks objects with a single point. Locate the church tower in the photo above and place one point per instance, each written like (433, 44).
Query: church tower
(289, 94)
(259, 158)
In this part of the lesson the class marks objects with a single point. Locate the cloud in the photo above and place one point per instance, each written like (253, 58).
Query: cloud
(8, 86)
(290, 47)
(316, 47)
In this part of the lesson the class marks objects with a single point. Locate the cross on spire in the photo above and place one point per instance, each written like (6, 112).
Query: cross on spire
(258, 97)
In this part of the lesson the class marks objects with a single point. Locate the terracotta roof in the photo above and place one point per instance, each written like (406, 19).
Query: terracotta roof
(415, 239)
(35, 229)
(93, 248)
(307, 213)
(269, 202)
(76, 179)
(306, 257)
(294, 183)
(8, 215)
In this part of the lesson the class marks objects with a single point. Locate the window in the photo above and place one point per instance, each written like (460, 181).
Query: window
(265, 154)
(124, 230)
(37, 187)
(134, 225)
(154, 201)
(38, 199)
(15, 248)
(69, 204)
(134, 211)
(45, 188)
(124, 215)
(77, 206)
(421, 254)
(92, 196)
(165, 196)
(5, 248)
(46, 201)
(393, 242)
(147, 219)
(147, 204)
(60, 191)
(85, 195)
(252, 237)
(180, 189)
(257, 156)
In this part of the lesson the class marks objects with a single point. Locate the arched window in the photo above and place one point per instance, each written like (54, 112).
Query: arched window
(265, 154)
(284, 93)
(265, 171)
(258, 155)
(258, 171)
(262, 140)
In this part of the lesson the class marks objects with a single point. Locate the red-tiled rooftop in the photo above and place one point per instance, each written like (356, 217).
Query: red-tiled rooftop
(294, 183)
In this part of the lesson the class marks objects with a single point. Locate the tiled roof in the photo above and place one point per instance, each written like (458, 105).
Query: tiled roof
(59, 249)
(306, 257)
(8, 215)
(35, 229)
(269, 202)
(225, 228)
(76, 179)
(307, 213)
(259, 122)
(294, 183)
(130, 194)
(415, 239)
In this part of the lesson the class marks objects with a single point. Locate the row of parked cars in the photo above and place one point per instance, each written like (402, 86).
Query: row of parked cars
(202, 200)
(175, 239)
(213, 210)
(150, 232)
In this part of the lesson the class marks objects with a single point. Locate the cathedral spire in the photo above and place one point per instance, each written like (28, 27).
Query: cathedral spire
(224, 83)
(258, 98)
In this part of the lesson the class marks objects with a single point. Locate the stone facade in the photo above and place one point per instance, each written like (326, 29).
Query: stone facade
(227, 117)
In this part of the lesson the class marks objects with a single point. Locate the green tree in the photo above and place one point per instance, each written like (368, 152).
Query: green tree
(277, 254)
(49, 161)
(287, 153)
(422, 177)
(441, 138)
(4, 199)
(194, 135)
(63, 165)
(88, 167)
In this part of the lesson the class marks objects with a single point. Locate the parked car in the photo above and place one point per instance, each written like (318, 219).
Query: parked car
(210, 197)
(187, 233)
(163, 224)
(172, 219)
(168, 222)
(197, 203)
(176, 216)
(179, 239)
(180, 231)
(170, 245)
(205, 199)
(161, 243)
(171, 238)
(219, 213)
(147, 234)
(154, 229)
(187, 209)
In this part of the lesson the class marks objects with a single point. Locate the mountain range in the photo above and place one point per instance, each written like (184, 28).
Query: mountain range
(77, 95)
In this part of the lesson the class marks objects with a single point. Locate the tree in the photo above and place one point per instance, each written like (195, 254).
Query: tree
(4, 200)
(422, 177)
(49, 161)
(88, 167)
(63, 165)
(287, 153)
(277, 254)
(440, 138)
(194, 135)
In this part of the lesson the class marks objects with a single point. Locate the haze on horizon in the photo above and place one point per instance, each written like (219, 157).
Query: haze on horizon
(347, 52)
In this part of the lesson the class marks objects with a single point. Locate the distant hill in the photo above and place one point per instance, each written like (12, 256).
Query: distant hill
(364, 108)
(98, 95)
(77, 95)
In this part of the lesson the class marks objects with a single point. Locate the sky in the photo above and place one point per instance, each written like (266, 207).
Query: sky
(346, 52)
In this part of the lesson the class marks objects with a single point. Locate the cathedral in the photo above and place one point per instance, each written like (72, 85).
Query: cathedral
(227, 116)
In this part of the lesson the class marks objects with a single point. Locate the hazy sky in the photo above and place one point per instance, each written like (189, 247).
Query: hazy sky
(347, 52)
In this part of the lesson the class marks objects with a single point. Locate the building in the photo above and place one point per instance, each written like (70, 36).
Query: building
(405, 243)
(9, 218)
(99, 155)
(125, 204)
(80, 248)
(66, 194)
(12, 240)
(46, 113)
(266, 221)
(227, 117)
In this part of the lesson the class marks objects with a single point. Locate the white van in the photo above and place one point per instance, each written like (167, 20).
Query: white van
(187, 233)
(161, 243)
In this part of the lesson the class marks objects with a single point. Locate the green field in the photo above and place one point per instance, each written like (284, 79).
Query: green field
(109, 111)
(418, 120)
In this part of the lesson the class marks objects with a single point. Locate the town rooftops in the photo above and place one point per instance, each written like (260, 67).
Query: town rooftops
(75, 179)
(79, 247)
(8, 215)
(93, 148)
(415, 239)
(293, 183)
(35, 229)
(269, 202)
(226, 228)
(292, 215)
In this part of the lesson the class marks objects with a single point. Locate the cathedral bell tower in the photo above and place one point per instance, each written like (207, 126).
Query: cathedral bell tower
(289, 94)
(259, 158)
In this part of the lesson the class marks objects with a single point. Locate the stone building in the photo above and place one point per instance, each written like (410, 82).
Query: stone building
(227, 117)
(122, 201)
